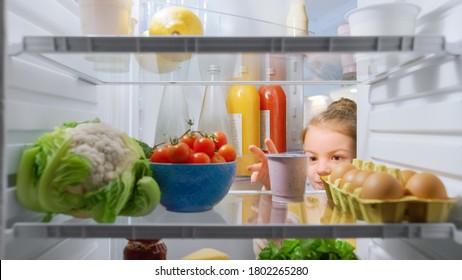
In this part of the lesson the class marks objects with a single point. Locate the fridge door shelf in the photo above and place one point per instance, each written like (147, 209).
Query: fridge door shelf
(242, 214)
(121, 59)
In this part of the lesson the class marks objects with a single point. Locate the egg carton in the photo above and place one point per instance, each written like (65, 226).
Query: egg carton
(355, 208)
(335, 194)
(381, 211)
(406, 209)
(334, 215)
(327, 188)
(429, 210)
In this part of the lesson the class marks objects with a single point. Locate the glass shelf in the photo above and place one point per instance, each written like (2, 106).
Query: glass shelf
(149, 60)
(242, 214)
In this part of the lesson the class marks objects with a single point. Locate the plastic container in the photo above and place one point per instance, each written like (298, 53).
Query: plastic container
(106, 16)
(383, 19)
(273, 114)
(390, 19)
(214, 114)
(297, 19)
(243, 104)
(287, 172)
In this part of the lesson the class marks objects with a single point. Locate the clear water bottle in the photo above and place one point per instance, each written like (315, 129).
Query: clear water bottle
(173, 117)
(214, 115)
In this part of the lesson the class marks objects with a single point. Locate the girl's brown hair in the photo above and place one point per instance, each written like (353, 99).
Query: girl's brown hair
(341, 114)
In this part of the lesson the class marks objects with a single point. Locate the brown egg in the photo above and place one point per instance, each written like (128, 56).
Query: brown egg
(406, 174)
(382, 186)
(359, 179)
(339, 170)
(348, 177)
(426, 185)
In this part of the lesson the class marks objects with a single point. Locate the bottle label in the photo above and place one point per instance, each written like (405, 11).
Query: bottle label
(235, 125)
(264, 127)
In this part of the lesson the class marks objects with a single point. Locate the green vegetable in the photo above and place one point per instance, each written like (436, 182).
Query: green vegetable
(147, 150)
(309, 249)
(87, 170)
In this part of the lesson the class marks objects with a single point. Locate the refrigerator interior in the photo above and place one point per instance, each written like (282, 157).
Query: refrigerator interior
(409, 119)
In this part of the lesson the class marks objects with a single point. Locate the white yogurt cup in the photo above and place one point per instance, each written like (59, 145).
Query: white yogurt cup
(107, 17)
(287, 173)
(388, 19)
(383, 19)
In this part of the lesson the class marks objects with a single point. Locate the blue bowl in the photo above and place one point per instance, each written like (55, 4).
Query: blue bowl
(193, 187)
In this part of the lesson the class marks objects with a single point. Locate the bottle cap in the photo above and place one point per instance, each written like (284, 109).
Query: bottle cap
(213, 68)
(270, 71)
(244, 70)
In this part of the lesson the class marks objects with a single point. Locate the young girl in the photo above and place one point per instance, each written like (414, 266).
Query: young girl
(329, 138)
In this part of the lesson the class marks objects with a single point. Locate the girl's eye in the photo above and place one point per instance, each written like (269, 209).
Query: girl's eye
(337, 157)
(312, 159)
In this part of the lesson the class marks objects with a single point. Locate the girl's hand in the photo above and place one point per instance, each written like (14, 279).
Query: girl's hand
(260, 170)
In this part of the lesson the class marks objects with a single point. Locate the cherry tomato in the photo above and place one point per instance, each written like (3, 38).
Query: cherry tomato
(160, 154)
(217, 159)
(204, 145)
(199, 158)
(220, 139)
(179, 153)
(189, 139)
(228, 152)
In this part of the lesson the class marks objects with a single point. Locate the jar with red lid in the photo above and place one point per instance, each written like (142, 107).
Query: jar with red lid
(142, 249)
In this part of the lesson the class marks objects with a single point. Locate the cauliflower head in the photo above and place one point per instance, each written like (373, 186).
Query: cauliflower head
(87, 170)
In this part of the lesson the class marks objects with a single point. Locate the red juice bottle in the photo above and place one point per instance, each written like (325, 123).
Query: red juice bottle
(273, 114)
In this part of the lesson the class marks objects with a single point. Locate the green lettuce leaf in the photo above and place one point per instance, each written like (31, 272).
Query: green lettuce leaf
(309, 249)
(146, 195)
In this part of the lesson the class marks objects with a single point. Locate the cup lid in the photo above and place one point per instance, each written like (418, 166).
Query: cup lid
(288, 155)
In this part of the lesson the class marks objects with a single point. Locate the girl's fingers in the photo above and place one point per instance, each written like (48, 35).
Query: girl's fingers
(254, 167)
(254, 178)
(257, 152)
(260, 170)
(271, 147)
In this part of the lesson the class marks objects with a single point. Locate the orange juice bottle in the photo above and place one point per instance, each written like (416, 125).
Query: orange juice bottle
(243, 104)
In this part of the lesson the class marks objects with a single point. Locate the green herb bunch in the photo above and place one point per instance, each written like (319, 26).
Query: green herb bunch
(309, 249)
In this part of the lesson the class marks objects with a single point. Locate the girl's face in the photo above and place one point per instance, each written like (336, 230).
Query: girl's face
(327, 148)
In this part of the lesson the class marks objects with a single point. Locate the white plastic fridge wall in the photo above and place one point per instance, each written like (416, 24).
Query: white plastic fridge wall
(412, 121)
(37, 98)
